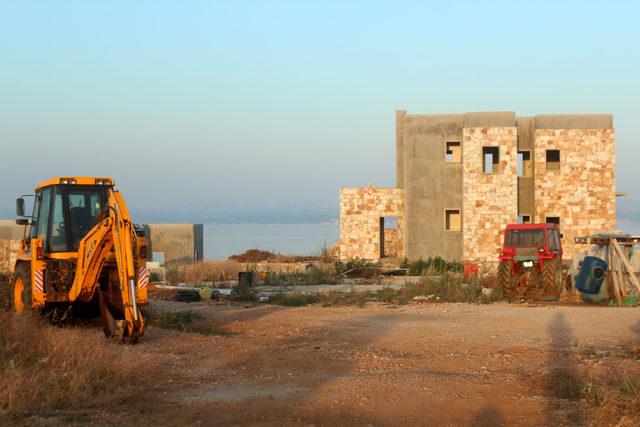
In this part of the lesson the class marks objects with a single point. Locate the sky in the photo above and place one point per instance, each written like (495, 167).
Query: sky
(278, 102)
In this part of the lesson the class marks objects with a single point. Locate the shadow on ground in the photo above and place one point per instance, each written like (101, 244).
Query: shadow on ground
(563, 382)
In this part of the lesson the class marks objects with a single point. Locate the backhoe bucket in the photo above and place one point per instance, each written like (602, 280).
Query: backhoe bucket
(108, 322)
(118, 328)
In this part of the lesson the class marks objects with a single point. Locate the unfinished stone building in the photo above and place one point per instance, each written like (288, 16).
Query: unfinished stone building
(462, 177)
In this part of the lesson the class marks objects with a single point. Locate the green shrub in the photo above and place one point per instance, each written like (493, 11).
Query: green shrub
(435, 265)
(356, 267)
(449, 287)
(178, 319)
(386, 294)
(243, 292)
(189, 321)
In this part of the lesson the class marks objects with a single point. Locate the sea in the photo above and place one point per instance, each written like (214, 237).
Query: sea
(224, 240)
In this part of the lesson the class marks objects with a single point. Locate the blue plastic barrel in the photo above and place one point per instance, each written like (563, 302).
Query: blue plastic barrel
(591, 275)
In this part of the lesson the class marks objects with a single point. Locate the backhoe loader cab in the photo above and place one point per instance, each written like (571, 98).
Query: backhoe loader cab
(80, 247)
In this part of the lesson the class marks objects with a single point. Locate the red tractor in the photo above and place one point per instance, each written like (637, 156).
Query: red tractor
(531, 261)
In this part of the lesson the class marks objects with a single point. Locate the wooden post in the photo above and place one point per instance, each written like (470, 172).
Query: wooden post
(622, 283)
(627, 265)
(614, 276)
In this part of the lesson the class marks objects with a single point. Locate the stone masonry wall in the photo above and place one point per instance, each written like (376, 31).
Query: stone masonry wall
(582, 192)
(360, 212)
(490, 201)
(392, 240)
(8, 254)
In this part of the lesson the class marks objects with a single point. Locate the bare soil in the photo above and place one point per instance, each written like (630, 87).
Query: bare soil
(424, 364)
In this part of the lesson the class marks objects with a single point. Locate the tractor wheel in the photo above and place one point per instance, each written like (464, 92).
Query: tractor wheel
(505, 279)
(21, 292)
(552, 279)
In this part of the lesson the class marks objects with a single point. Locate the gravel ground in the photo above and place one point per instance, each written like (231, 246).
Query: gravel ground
(448, 364)
(416, 364)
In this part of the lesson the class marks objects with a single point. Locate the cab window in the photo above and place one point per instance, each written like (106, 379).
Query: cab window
(553, 240)
(84, 207)
(43, 203)
(58, 241)
(525, 237)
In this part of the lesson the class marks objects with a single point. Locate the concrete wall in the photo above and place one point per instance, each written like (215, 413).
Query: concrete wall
(574, 121)
(360, 213)
(181, 243)
(526, 194)
(526, 197)
(431, 185)
(400, 116)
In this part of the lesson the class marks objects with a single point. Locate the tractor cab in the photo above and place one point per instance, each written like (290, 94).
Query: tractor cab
(64, 210)
(531, 257)
(531, 242)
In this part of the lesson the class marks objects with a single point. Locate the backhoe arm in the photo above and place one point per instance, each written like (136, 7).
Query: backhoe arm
(121, 317)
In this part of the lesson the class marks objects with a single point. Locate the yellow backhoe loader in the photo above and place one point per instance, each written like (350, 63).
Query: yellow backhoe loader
(81, 249)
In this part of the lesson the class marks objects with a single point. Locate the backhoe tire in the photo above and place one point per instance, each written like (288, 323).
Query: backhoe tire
(21, 289)
(505, 279)
(552, 279)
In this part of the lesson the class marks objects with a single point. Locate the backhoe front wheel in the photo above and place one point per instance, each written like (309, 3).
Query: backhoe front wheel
(21, 290)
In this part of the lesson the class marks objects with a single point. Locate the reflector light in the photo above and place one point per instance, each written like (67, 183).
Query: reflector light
(143, 252)
(39, 252)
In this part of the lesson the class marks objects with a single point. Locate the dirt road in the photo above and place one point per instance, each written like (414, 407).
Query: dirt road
(446, 364)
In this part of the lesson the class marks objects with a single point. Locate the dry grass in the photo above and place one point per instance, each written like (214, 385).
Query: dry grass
(208, 271)
(5, 293)
(602, 384)
(45, 368)
(611, 389)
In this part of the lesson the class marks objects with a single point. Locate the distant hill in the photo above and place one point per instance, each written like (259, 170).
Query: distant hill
(225, 214)
(220, 213)
(628, 214)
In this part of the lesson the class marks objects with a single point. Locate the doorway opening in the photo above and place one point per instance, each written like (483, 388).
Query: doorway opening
(389, 237)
